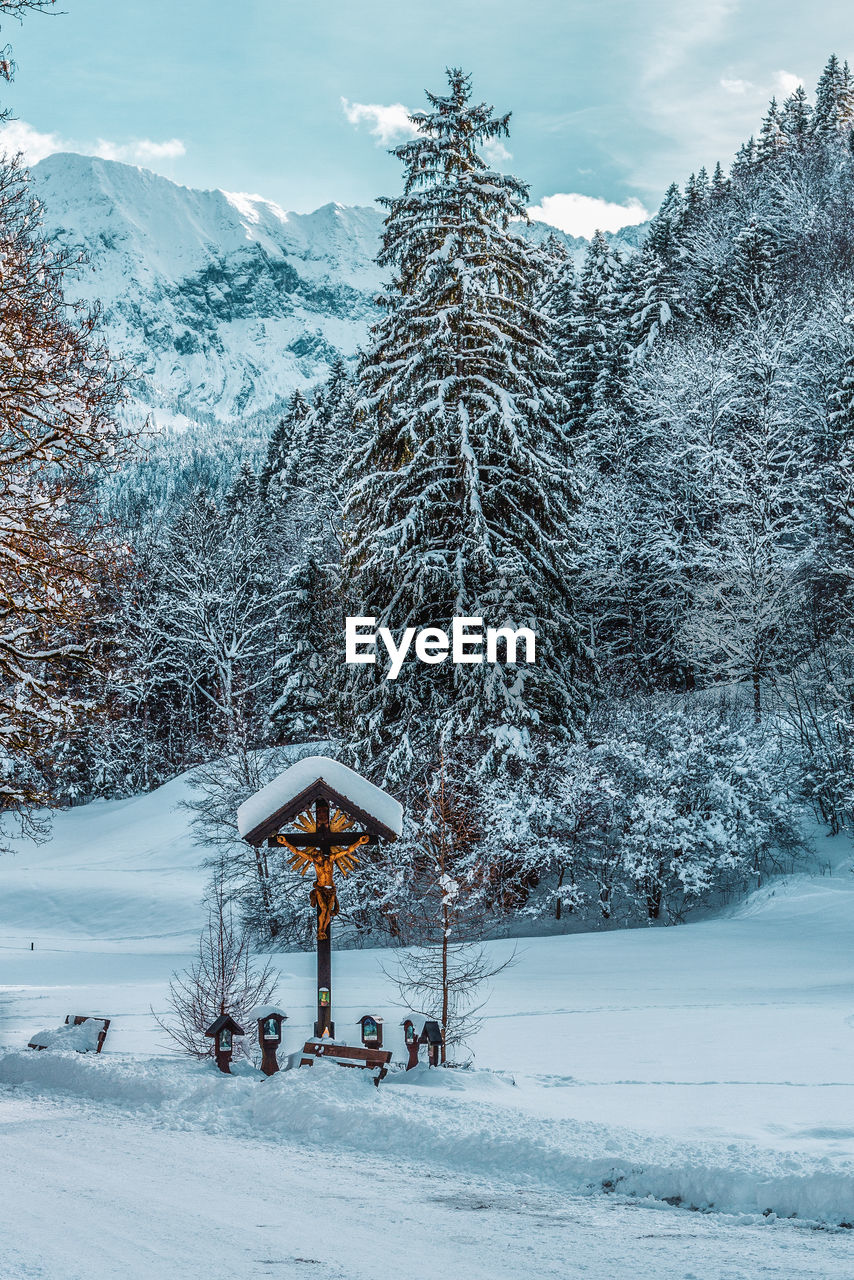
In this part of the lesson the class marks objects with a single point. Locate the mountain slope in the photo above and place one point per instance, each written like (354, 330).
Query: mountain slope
(224, 303)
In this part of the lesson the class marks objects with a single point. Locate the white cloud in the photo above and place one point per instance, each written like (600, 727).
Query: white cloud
(386, 123)
(140, 151)
(786, 82)
(579, 215)
(17, 135)
(495, 152)
(780, 85)
(739, 87)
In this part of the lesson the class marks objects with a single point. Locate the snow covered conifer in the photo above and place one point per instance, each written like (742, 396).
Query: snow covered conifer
(834, 100)
(281, 440)
(745, 161)
(772, 136)
(596, 353)
(720, 182)
(459, 480)
(559, 298)
(305, 498)
(796, 118)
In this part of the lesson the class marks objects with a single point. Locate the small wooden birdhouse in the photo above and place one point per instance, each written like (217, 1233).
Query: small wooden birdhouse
(372, 1031)
(431, 1036)
(269, 1019)
(410, 1039)
(222, 1031)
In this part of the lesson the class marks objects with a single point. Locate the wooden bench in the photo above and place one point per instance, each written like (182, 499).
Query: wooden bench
(61, 1037)
(77, 1019)
(346, 1055)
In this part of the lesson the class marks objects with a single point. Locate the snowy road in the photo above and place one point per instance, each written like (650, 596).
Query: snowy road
(89, 1194)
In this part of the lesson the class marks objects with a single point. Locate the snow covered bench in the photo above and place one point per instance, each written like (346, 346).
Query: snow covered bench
(80, 1032)
(346, 1055)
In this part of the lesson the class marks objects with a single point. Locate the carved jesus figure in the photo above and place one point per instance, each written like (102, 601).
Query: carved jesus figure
(323, 895)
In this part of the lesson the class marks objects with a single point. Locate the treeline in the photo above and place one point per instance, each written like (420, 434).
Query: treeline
(649, 462)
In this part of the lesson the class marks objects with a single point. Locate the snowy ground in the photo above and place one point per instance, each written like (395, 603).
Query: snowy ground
(622, 1079)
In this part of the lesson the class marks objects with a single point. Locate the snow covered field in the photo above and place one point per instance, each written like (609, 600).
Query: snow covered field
(622, 1079)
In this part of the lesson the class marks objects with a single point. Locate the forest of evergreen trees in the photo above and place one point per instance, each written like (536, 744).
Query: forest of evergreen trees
(650, 462)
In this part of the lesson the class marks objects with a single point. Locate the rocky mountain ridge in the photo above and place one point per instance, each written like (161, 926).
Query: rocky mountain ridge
(223, 303)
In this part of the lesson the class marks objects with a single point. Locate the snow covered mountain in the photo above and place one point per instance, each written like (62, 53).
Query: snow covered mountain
(224, 303)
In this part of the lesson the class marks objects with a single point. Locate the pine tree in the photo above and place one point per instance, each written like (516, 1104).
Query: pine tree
(664, 236)
(305, 500)
(595, 349)
(654, 286)
(696, 198)
(559, 299)
(834, 104)
(796, 119)
(720, 183)
(772, 136)
(745, 161)
(281, 441)
(752, 268)
(459, 479)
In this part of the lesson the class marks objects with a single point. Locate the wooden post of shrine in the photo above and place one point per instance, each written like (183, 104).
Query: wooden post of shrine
(324, 1026)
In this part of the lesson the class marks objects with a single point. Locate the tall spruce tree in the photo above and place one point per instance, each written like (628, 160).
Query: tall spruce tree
(796, 118)
(595, 352)
(460, 479)
(281, 441)
(834, 100)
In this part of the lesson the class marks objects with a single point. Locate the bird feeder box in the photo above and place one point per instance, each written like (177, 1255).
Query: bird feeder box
(431, 1036)
(222, 1032)
(269, 1019)
(372, 1031)
(410, 1039)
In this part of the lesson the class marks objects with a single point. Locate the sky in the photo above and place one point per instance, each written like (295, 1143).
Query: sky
(299, 102)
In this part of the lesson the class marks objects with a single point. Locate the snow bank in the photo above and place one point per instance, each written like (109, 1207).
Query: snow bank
(349, 784)
(83, 1038)
(461, 1120)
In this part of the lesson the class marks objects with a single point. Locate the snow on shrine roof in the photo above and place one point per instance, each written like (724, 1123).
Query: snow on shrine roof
(374, 803)
(266, 1011)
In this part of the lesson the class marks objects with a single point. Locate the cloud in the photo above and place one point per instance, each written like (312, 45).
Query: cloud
(579, 215)
(141, 151)
(387, 124)
(786, 82)
(737, 86)
(495, 152)
(781, 84)
(17, 136)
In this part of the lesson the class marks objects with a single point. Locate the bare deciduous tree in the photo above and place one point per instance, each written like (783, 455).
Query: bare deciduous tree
(222, 979)
(447, 983)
